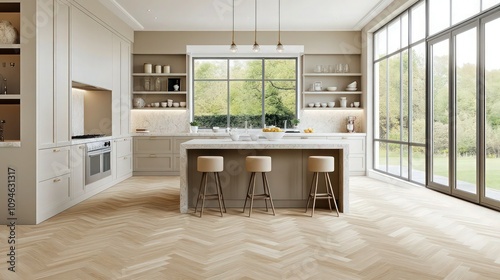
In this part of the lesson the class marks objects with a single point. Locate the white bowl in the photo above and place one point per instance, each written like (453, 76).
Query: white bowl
(254, 137)
(311, 104)
(331, 88)
(215, 129)
(356, 104)
(234, 137)
(163, 104)
(273, 136)
(323, 105)
(183, 104)
(176, 104)
(331, 104)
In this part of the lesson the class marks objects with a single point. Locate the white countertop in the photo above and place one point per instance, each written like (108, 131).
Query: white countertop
(224, 134)
(262, 144)
(10, 144)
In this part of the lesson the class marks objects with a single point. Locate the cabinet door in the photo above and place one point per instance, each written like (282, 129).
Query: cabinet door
(116, 92)
(123, 147)
(77, 165)
(52, 163)
(125, 88)
(123, 166)
(52, 193)
(153, 163)
(92, 51)
(177, 143)
(61, 73)
(45, 84)
(153, 145)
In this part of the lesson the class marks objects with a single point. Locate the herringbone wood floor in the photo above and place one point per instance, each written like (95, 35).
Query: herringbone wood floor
(134, 231)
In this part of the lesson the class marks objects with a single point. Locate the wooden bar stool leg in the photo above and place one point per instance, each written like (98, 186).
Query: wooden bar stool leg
(266, 186)
(315, 192)
(253, 193)
(217, 186)
(310, 191)
(333, 196)
(204, 193)
(327, 187)
(220, 187)
(199, 191)
(263, 174)
(248, 192)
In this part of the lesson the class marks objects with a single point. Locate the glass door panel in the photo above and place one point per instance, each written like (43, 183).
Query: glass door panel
(466, 110)
(440, 112)
(492, 110)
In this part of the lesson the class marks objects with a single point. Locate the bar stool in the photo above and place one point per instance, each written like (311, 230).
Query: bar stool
(256, 164)
(321, 164)
(210, 164)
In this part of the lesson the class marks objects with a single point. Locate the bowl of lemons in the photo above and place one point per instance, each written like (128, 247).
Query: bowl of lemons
(273, 133)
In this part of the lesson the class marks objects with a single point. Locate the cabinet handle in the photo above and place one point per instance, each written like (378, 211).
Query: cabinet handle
(152, 155)
(152, 137)
(81, 147)
(124, 157)
(56, 150)
(56, 180)
(344, 137)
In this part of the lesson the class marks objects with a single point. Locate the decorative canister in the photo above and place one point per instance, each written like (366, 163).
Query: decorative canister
(138, 102)
(166, 68)
(148, 68)
(343, 102)
(157, 68)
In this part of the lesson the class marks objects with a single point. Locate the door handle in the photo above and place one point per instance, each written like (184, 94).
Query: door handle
(56, 180)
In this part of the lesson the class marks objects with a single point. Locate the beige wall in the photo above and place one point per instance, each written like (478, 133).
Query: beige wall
(174, 42)
(97, 112)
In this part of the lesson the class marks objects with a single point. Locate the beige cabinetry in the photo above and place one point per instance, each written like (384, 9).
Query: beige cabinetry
(158, 155)
(123, 157)
(153, 155)
(357, 152)
(160, 86)
(77, 165)
(92, 51)
(54, 83)
(53, 180)
(121, 87)
(320, 72)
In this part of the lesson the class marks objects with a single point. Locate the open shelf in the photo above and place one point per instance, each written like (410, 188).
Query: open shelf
(160, 92)
(332, 74)
(331, 92)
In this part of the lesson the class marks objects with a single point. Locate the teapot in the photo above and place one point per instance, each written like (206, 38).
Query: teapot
(138, 102)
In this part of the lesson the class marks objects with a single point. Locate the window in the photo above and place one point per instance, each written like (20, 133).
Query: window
(232, 92)
(399, 76)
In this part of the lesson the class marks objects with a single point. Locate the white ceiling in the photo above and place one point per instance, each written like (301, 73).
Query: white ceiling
(216, 15)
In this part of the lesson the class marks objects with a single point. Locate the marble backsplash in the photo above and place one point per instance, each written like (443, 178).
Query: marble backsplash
(177, 121)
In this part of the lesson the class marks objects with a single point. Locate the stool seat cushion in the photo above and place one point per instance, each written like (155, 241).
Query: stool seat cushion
(321, 164)
(210, 164)
(258, 164)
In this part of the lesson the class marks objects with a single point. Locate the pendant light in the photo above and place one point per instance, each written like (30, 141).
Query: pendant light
(256, 47)
(279, 46)
(233, 47)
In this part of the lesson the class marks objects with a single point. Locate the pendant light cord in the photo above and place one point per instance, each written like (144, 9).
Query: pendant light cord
(233, 21)
(255, 33)
(279, 21)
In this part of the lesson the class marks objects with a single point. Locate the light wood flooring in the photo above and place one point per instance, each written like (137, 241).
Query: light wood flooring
(135, 231)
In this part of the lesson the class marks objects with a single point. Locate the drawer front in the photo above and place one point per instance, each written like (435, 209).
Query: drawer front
(356, 144)
(123, 166)
(53, 162)
(53, 192)
(357, 163)
(123, 147)
(153, 145)
(177, 143)
(153, 163)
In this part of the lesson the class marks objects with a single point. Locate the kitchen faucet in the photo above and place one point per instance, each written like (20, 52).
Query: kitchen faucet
(1, 130)
(285, 124)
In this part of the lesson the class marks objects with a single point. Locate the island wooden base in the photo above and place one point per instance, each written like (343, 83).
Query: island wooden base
(289, 179)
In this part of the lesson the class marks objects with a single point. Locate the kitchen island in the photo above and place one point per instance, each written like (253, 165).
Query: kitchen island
(289, 179)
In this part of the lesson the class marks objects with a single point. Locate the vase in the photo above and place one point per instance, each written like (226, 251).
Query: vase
(194, 129)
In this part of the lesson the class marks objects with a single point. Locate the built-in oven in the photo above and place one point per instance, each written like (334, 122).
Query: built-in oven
(97, 161)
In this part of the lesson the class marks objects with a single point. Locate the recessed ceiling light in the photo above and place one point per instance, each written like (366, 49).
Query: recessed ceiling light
(156, 18)
(149, 10)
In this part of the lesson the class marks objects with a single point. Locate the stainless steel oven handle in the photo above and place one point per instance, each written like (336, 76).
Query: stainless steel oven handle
(98, 152)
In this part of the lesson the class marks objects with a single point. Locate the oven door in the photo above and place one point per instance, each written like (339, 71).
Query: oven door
(97, 165)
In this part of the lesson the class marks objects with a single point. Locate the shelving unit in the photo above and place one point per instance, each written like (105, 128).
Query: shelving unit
(340, 80)
(160, 84)
(10, 75)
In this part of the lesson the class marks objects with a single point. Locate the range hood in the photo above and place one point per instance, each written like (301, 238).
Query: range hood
(79, 85)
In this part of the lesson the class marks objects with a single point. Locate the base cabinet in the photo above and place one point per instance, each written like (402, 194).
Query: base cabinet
(52, 194)
(123, 157)
(77, 165)
(357, 156)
